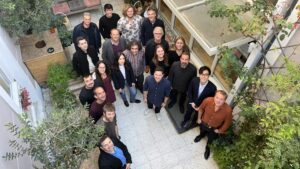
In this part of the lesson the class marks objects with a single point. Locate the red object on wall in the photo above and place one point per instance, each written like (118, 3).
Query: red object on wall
(91, 3)
(25, 100)
(61, 8)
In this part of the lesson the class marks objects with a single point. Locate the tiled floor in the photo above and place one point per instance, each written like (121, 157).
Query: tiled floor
(154, 144)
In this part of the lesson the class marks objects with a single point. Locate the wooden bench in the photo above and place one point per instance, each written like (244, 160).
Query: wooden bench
(70, 7)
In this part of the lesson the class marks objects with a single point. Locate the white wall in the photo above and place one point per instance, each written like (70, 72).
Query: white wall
(14, 69)
(8, 115)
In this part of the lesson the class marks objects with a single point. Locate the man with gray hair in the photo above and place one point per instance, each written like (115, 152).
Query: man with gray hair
(89, 30)
(158, 33)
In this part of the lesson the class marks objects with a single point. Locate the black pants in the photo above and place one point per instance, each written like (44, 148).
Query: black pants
(189, 113)
(211, 135)
(139, 82)
(173, 97)
(150, 106)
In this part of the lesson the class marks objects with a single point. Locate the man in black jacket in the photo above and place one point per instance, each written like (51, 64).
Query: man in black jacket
(181, 74)
(108, 21)
(149, 24)
(199, 89)
(86, 95)
(89, 30)
(84, 59)
(113, 154)
(158, 33)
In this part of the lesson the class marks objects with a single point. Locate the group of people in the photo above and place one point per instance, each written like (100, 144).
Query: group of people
(135, 45)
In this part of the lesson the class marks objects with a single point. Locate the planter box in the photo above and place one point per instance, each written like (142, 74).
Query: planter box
(61, 8)
(91, 3)
(76, 5)
(37, 60)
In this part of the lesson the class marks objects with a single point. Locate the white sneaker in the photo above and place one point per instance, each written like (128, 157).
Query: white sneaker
(146, 111)
(158, 117)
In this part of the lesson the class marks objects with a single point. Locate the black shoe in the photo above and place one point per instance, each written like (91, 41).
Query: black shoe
(207, 153)
(197, 139)
(181, 109)
(126, 103)
(136, 101)
(171, 104)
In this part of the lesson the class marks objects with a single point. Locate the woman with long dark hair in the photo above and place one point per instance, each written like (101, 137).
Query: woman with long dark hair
(102, 73)
(122, 75)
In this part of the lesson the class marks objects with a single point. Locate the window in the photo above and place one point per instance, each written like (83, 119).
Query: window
(207, 61)
(181, 30)
(4, 82)
(165, 11)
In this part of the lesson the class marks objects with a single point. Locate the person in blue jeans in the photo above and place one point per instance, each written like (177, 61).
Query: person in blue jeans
(122, 75)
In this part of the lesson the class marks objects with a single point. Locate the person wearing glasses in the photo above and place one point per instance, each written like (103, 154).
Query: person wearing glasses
(199, 89)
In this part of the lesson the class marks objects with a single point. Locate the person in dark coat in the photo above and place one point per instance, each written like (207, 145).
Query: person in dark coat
(84, 59)
(108, 21)
(160, 59)
(86, 95)
(122, 75)
(149, 24)
(113, 154)
(89, 30)
(199, 89)
(181, 74)
(158, 32)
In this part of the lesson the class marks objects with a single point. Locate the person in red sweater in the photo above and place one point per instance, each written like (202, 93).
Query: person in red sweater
(214, 117)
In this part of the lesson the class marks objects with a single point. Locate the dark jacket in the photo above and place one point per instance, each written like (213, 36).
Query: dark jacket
(79, 30)
(108, 53)
(119, 80)
(80, 61)
(180, 78)
(161, 64)
(150, 49)
(147, 29)
(86, 96)
(108, 161)
(209, 91)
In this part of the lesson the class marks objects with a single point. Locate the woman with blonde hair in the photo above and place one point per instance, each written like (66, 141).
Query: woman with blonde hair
(179, 47)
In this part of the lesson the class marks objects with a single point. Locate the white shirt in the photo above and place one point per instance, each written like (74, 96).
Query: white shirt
(201, 88)
(122, 69)
(91, 64)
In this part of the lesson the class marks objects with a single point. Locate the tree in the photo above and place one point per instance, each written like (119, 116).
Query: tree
(21, 17)
(267, 133)
(66, 137)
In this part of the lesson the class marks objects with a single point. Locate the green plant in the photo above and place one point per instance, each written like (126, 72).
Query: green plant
(63, 140)
(25, 16)
(58, 77)
(64, 34)
(267, 133)
(230, 64)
